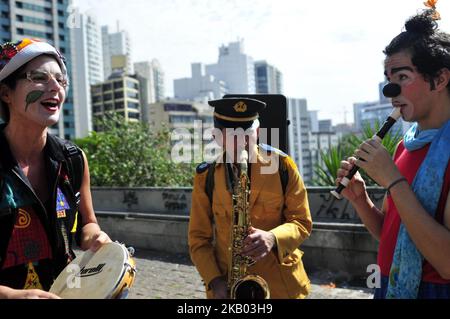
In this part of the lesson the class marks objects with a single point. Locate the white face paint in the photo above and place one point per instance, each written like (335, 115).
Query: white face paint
(38, 103)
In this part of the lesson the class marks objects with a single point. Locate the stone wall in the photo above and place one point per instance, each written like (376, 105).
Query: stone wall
(157, 218)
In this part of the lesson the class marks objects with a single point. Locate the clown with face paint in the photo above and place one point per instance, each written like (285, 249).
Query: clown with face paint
(38, 209)
(413, 226)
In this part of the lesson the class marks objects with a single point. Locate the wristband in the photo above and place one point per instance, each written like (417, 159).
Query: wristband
(401, 179)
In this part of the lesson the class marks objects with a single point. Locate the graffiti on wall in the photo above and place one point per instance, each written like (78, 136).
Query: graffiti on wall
(130, 198)
(325, 207)
(175, 201)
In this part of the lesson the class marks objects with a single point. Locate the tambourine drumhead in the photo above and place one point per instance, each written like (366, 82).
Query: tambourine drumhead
(94, 275)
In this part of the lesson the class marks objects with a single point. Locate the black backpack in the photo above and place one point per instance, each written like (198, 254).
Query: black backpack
(75, 165)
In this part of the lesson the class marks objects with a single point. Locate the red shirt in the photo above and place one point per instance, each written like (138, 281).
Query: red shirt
(408, 164)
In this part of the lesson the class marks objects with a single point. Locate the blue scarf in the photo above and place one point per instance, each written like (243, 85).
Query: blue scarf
(406, 270)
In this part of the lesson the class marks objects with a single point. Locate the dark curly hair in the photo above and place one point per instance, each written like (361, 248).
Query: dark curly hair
(429, 47)
(11, 82)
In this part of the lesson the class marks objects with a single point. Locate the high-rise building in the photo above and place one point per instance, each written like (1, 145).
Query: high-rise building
(115, 44)
(325, 126)
(45, 20)
(373, 114)
(119, 94)
(154, 73)
(299, 130)
(159, 78)
(235, 68)
(200, 86)
(180, 114)
(268, 79)
(87, 70)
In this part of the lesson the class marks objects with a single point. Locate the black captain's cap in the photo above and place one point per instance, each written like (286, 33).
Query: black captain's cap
(236, 112)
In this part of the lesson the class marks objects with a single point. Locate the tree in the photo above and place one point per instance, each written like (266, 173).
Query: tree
(326, 176)
(126, 154)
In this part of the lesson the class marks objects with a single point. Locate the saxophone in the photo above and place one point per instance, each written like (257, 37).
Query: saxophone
(240, 284)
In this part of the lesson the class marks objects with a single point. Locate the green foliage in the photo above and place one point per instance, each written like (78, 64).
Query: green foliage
(327, 174)
(128, 154)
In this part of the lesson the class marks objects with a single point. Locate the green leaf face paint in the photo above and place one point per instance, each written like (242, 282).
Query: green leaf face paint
(32, 97)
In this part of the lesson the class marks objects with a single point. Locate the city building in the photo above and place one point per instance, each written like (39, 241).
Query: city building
(119, 94)
(268, 79)
(235, 68)
(175, 114)
(299, 131)
(87, 69)
(199, 87)
(374, 114)
(115, 44)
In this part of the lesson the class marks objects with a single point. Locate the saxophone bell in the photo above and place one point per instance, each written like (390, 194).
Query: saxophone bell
(250, 287)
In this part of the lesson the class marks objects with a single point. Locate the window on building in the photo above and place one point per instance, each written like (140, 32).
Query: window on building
(133, 105)
(133, 115)
(119, 105)
(118, 84)
(132, 95)
(132, 85)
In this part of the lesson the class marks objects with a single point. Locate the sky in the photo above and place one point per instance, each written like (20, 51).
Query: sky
(330, 52)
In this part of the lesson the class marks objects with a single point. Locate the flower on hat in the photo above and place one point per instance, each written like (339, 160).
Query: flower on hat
(7, 52)
(9, 49)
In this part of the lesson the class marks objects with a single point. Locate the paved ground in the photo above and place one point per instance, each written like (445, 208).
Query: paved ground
(163, 276)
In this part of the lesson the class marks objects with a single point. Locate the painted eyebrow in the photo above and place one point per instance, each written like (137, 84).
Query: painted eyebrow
(395, 70)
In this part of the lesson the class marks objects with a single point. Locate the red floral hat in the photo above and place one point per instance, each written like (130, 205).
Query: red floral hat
(15, 55)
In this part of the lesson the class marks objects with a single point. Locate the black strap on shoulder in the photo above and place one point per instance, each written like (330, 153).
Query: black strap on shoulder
(75, 163)
(209, 184)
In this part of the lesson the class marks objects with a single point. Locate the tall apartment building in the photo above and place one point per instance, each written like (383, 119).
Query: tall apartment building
(45, 20)
(373, 113)
(200, 86)
(115, 44)
(119, 94)
(235, 68)
(153, 72)
(299, 130)
(180, 114)
(158, 78)
(87, 70)
(268, 79)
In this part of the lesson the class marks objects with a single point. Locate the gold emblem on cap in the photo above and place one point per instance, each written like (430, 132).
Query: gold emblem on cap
(240, 107)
